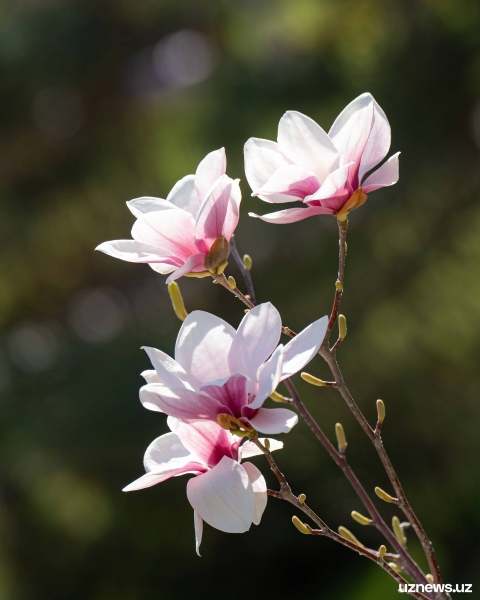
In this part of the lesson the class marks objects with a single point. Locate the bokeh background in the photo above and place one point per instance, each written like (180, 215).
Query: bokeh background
(103, 101)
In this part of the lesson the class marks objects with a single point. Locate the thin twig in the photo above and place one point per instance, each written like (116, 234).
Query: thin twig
(247, 276)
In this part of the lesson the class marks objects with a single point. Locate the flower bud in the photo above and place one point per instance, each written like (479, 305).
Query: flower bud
(395, 567)
(338, 285)
(276, 397)
(266, 444)
(302, 498)
(398, 531)
(232, 283)
(430, 578)
(384, 496)
(302, 528)
(311, 379)
(341, 439)
(348, 535)
(359, 518)
(247, 261)
(177, 300)
(342, 327)
(380, 411)
(382, 551)
(219, 252)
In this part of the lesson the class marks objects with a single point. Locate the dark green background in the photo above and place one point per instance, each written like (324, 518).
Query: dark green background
(85, 126)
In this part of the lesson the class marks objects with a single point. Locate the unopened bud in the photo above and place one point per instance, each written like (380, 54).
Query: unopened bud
(221, 268)
(398, 531)
(232, 283)
(382, 551)
(287, 331)
(395, 567)
(348, 535)
(359, 518)
(342, 327)
(177, 300)
(218, 253)
(311, 379)
(302, 498)
(341, 439)
(266, 444)
(382, 494)
(302, 528)
(248, 297)
(430, 578)
(276, 397)
(247, 261)
(380, 411)
(338, 285)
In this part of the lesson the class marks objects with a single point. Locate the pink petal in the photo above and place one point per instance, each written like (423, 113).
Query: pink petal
(259, 486)
(207, 441)
(202, 346)
(249, 449)
(223, 497)
(332, 185)
(170, 229)
(212, 214)
(198, 524)
(184, 195)
(292, 215)
(195, 264)
(212, 167)
(268, 377)
(262, 159)
(386, 175)
(151, 479)
(233, 211)
(145, 204)
(274, 420)
(306, 144)
(133, 251)
(378, 143)
(290, 181)
(168, 370)
(302, 348)
(232, 394)
(256, 338)
(179, 402)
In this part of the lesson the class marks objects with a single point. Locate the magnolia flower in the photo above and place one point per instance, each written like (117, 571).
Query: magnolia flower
(325, 172)
(188, 232)
(225, 375)
(227, 495)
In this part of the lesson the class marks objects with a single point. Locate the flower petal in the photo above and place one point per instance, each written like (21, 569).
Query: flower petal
(171, 229)
(212, 167)
(378, 143)
(198, 524)
(262, 159)
(233, 211)
(150, 376)
(184, 195)
(133, 251)
(302, 348)
(164, 268)
(165, 453)
(333, 184)
(256, 338)
(259, 486)
(152, 478)
(145, 204)
(179, 402)
(307, 144)
(232, 393)
(291, 181)
(202, 346)
(386, 175)
(224, 497)
(292, 215)
(274, 420)
(249, 449)
(268, 377)
(168, 370)
(212, 213)
(195, 264)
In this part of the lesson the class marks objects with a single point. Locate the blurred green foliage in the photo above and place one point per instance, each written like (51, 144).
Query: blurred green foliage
(93, 115)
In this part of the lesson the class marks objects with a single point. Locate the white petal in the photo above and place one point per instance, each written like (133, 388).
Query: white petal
(262, 159)
(223, 497)
(378, 143)
(268, 377)
(203, 345)
(302, 348)
(198, 524)
(166, 452)
(259, 486)
(256, 338)
(145, 204)
(150, 376)
(208, 171)
(249, 449)
(292, 215)
(163, 268)
(274, 420)
(169, 371)
(184, 195)
(306, 144)
(332, 184)
(133, 251)
(180, 403)
(386, 175)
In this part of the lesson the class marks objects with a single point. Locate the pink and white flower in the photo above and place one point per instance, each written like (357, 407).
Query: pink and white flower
(227, 495)
(190, 230)
(327, 172)
(224, 375)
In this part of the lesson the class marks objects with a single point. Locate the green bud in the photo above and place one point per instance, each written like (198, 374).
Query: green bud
(359, 518)
(341, 439)
(342, 327)
(430, 578)
(276, 397)
(380, 411)
(384, 496)
(348, 535)
(398, 531)
(338, 285)
(177, 300)
(382, 551)
(247, 261)
(311, 379)
(395, 567)
(302, 528)
(266, 444)
(232, 283)
(302, 498)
